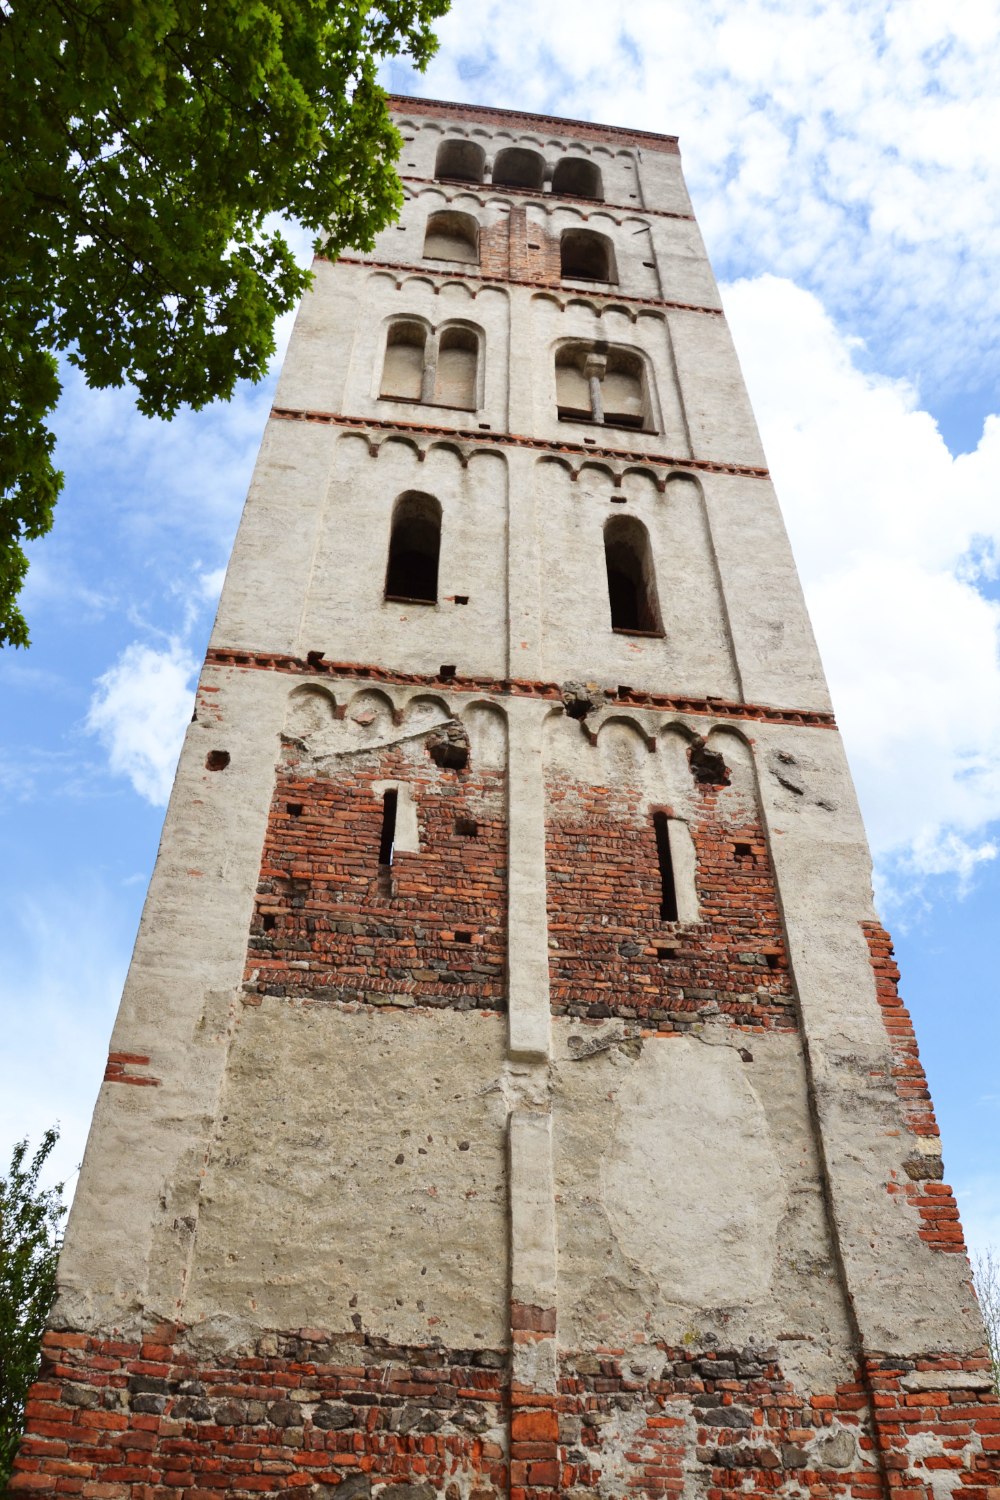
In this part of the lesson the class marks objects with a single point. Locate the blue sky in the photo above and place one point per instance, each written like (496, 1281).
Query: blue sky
(842, 159)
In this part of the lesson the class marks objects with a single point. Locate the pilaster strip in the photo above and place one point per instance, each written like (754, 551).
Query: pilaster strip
(532, 1252)
(413, 269)
(528, 1010)
(316, 665)
(483, 439)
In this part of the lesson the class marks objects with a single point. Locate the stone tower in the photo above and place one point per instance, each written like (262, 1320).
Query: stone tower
(510, 1091)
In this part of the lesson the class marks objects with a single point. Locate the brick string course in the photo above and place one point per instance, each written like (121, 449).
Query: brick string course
(615, 957)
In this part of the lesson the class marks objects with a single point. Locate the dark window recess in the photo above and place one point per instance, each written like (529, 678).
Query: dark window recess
(414, 548)
(467, 827)
(216, 760)
(463, 937)
(293, 809)
(269, 922)
(668, 891)
(631, 589)
(388, 838)
(666, 954)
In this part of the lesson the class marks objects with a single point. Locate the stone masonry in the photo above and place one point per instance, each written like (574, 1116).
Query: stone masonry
(511, 1095)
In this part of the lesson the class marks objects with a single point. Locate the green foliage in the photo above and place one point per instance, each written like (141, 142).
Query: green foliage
(29, 1249)
(147, 145)
(986, 1279)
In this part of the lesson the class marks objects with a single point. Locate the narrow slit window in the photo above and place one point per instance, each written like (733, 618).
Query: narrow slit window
(387, 842)
(411, 574)
(668, 889)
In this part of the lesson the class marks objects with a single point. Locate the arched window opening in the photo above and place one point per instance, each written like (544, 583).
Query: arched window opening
(519, 168)
(631, 581)
(575, 177)
(457, 369)
(586, 256)
(403, 369)
(460, 161)
(452, 236)
(595, 383)
(411, 575)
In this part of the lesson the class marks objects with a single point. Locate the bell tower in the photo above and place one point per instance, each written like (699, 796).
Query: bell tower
(511, 1094)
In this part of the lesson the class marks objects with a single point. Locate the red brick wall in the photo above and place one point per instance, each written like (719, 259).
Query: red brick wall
(932, 1199)
(111, 1419)
(329, 926)
(604, 894)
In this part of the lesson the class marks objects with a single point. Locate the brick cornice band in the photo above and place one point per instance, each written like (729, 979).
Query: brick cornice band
(442, 109)
(483, 439)
(411, 268)
(316, 666)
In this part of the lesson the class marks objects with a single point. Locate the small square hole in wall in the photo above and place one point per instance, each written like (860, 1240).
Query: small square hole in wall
(461, 598)
(666, 954)
(624, 691)
(772, 960)
(293, 809)
(463, 937)
(649, 264)
(446, 671)
(269, 922)
(217, 760)
(743, 851)
(467, 827)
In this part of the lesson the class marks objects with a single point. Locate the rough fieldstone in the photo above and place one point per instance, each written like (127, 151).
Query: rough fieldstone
(332, 1417)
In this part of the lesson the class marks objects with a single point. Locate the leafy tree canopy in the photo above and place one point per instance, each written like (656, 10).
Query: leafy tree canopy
(29, 1248)
(145, 144)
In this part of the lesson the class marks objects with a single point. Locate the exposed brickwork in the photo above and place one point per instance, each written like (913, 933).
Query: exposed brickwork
(716, 708)
(120, 1069)
(111, 1419)
(938, 1422)
(933, 1200)
(330, 924)
(717, 1422)
(484, 440)
(615, 957)
(611, 135)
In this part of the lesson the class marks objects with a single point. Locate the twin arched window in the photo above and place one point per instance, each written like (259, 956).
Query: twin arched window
(519, 167)
(602, 384)
(435, 368)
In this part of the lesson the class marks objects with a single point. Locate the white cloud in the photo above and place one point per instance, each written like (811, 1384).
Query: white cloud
(883, 521)
(139, 709)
